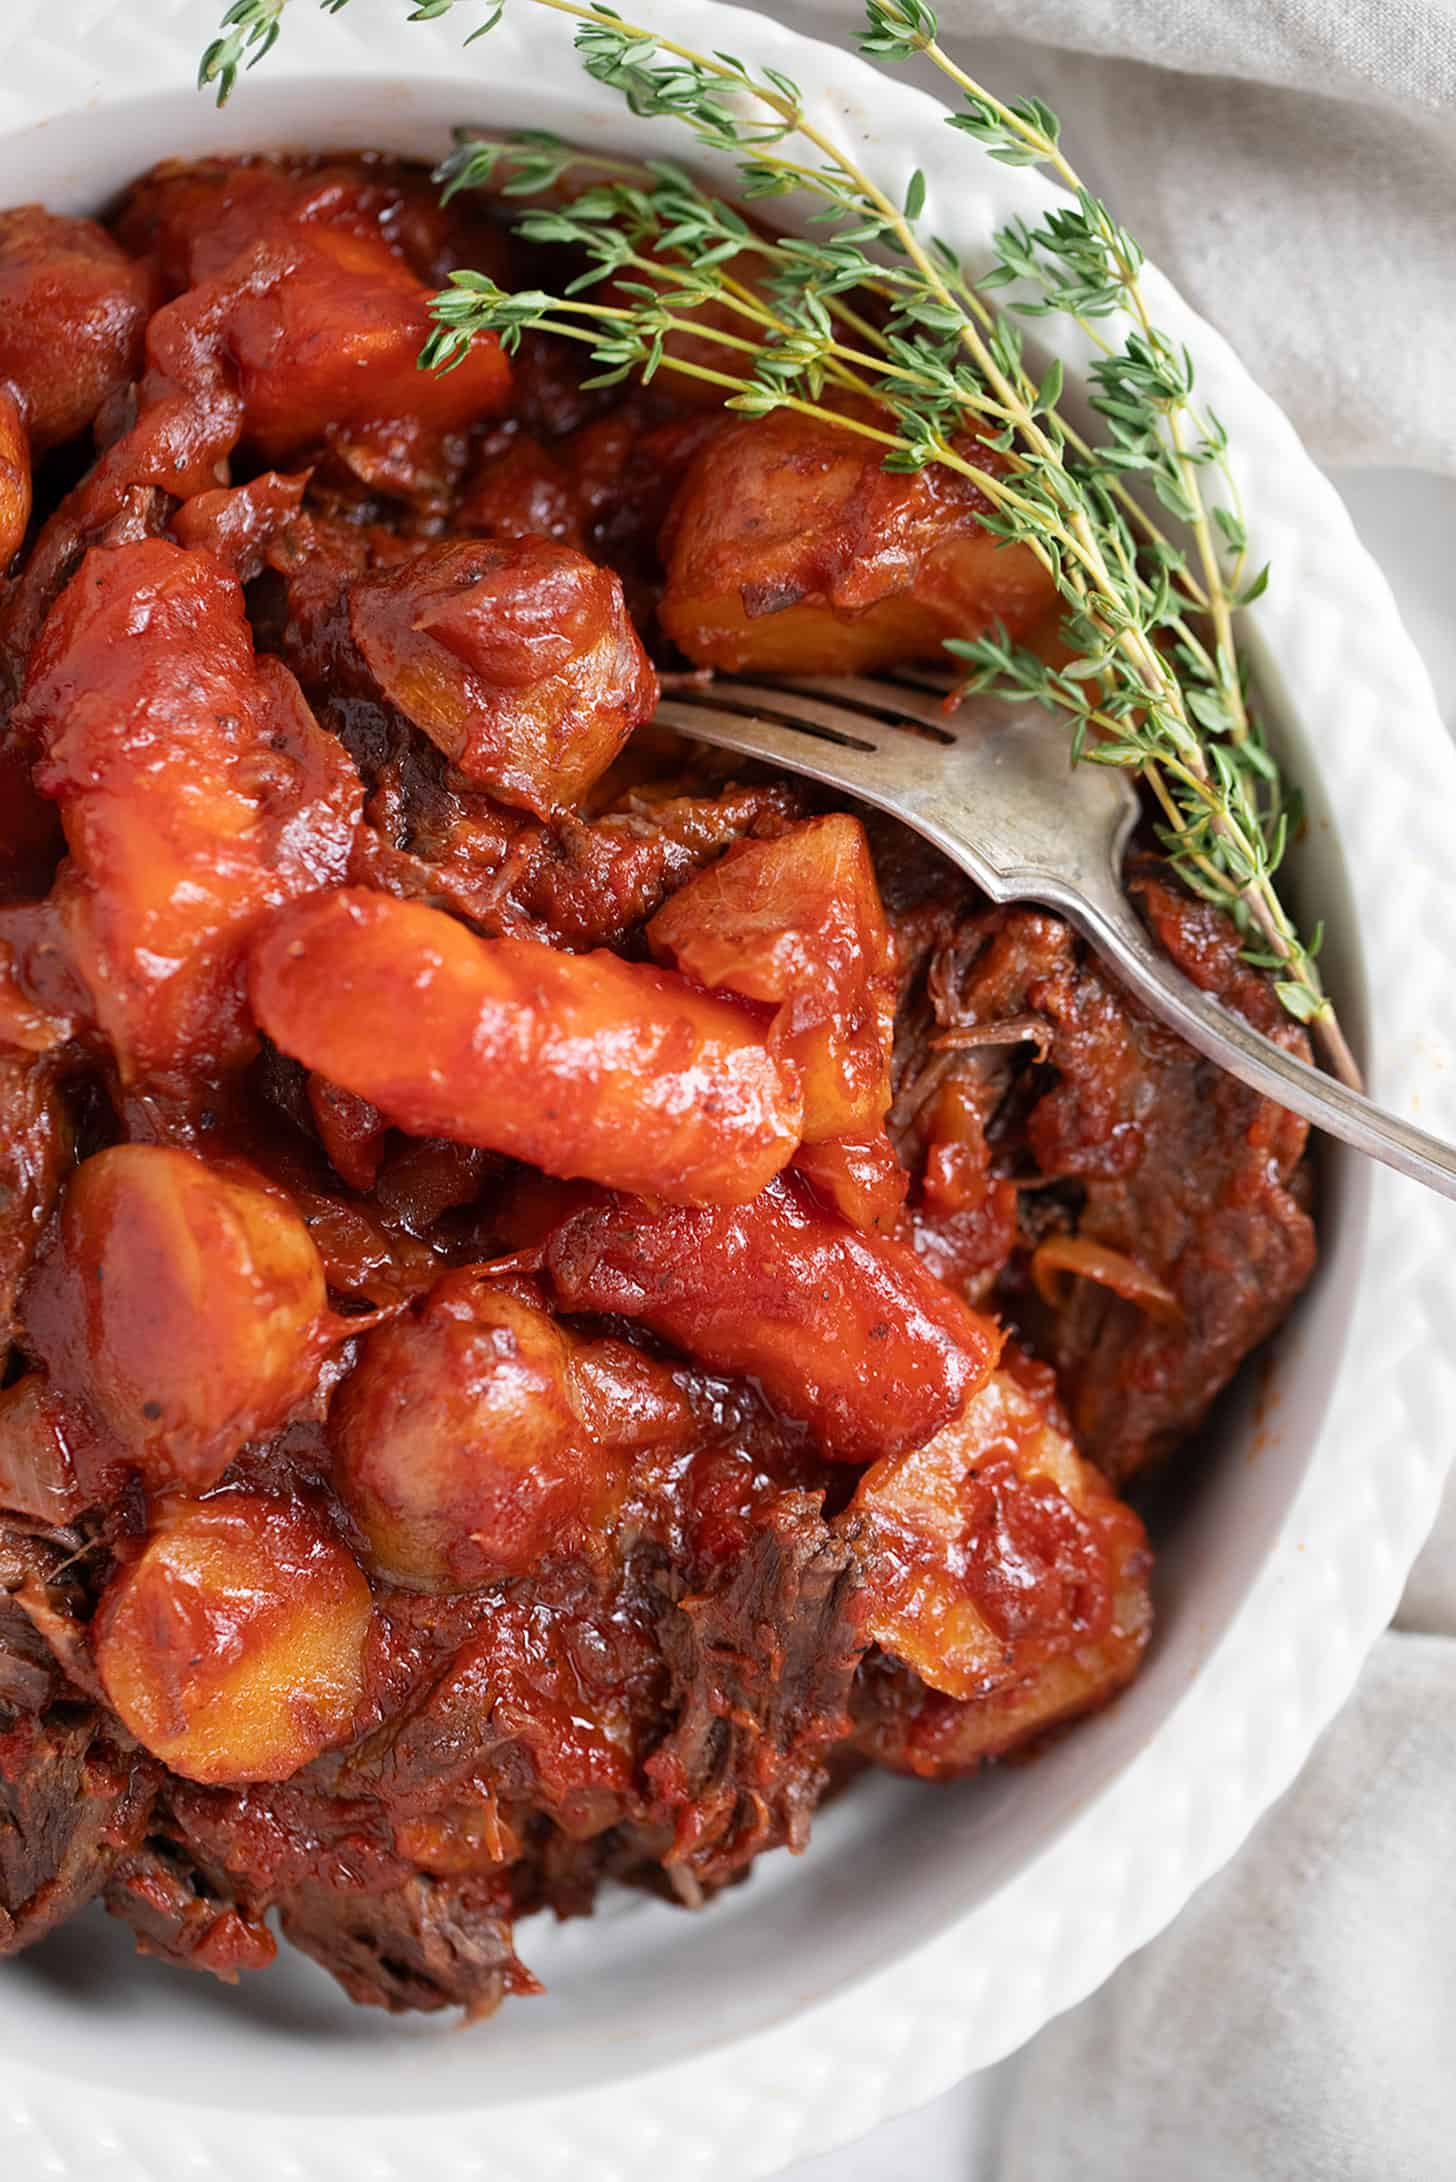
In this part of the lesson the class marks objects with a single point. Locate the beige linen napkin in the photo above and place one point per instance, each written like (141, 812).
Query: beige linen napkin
(1298, 2022)
(1290, 163)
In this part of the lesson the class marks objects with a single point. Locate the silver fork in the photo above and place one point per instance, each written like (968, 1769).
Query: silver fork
(993, 786)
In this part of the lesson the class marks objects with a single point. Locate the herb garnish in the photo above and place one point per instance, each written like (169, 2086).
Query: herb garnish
(866, 304)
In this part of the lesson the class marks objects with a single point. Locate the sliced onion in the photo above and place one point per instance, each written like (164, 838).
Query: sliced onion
(1078, 1255)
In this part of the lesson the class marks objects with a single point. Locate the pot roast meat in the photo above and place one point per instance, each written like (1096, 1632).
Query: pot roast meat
(74, 1793)
(34, 1153)
(181, 1917)
(761, 1661)
(1025, 1072)
(427, 1944)
(1187, 1172)
(71, 1803)
(592, 883)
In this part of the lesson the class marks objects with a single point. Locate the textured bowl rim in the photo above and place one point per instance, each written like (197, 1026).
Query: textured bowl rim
(817, 2077)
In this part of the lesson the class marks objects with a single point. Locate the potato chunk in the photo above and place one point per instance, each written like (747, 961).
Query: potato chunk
(182, 1308)
(233, 1647)
(324, 329)
(196, 792)
(1004, 1573)
(479, 1434)
(73, 312)
(861, 1177)
(194, 216)
(583, 1065)
(790, 551)
(518, 659)
(848, 1334)
(798, 921)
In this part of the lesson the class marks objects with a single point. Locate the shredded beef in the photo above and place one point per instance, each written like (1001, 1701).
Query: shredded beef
(72, 1800)
(1186, 1171)
(180, 1915)
(72, 1797)
(593, 882)
(1068, 1109)
(70, 1803)
(761, 1662)
(426, 1944)
(34, 1154)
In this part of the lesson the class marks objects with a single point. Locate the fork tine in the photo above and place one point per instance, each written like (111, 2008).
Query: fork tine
(858, 718)
(793, 706)
(882, 706)
(857, 766)
(914, 697)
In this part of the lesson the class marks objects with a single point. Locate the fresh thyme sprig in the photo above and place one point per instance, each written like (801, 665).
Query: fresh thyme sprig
(250, 28)
(872, 323)
(1088, 267)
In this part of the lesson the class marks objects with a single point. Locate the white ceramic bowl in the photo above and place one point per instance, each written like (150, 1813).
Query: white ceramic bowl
(927, 1932)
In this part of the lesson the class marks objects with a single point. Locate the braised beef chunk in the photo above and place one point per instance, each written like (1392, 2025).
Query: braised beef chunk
(556, 1291)
(593, 883)
(1214, 1203)
(761, 1662)
(71, 1803)
(45, 1598)
(30, 1675)
(428, 1944)
(544, 1703)
(181, 1916)
(73, 1795)
(1038, 1101)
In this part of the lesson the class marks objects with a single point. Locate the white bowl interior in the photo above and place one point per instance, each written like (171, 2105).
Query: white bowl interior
(641, 1985)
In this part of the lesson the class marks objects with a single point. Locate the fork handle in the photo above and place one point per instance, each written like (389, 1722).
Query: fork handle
(1113, 928)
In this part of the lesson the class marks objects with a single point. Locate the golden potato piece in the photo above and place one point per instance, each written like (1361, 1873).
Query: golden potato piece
(479, 1434)
(789, 550)
(1003, 1573)
(73, 311)
(798, 921)
(516, 657)
(233, 1647)
(181, 1307)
